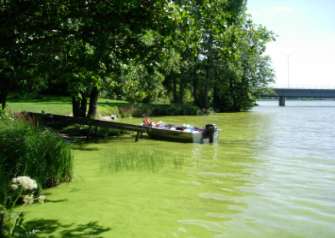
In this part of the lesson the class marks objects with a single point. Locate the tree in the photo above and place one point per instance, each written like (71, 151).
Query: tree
(112, 37)
(244, 69)
(201, 51)
(230, 67)
(12, 28)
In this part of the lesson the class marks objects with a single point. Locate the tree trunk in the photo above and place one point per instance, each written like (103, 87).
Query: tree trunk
(195, 89)
(92, 111)
(216, 99)
(204, 94)
(83, 106)
(175, 95)
(234, 98)
(209, 71)
(194, 93)
(4, 88)
(181, 90)
(218, 104)
(3, 99)
(75, 107)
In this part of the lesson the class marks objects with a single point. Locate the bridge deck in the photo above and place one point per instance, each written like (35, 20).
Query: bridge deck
(295, 92)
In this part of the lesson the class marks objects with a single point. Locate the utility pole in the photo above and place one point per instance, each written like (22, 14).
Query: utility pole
(288, 70)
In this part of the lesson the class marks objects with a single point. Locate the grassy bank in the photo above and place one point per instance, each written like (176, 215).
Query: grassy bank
(59, 105)
(62, 106)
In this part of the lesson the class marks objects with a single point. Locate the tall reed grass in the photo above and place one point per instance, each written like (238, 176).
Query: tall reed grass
(35, 152)
(143, 160)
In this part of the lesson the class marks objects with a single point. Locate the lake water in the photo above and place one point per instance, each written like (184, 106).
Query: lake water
(294, 195)
(271, 175)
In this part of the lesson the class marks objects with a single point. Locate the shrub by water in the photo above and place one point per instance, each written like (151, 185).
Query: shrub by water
(36, 152)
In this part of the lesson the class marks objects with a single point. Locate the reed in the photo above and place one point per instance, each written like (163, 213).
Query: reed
(144, 159)
(134, 160)
(35, 152)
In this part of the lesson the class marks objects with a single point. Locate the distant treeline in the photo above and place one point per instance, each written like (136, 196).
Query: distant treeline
(201, 52)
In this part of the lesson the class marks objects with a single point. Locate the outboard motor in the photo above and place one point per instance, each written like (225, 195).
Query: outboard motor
(209, 132)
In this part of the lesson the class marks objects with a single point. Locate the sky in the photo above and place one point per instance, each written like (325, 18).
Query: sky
(303, 55)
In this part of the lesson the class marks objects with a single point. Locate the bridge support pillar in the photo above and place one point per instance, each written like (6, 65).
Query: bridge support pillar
(282, 101)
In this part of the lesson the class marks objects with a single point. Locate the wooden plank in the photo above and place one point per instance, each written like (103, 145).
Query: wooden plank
(47, 118)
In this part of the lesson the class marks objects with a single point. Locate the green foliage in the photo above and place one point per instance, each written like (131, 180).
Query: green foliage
(248, 70)
(11, 221)
(209, 53)
(4, 115)
(35, 152)
(139, 85)
(165, 110)
(11, 224)
(142, 110)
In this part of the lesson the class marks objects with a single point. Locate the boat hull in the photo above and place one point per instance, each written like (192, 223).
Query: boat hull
(180, 136)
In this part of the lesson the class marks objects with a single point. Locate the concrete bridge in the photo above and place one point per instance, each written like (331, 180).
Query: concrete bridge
(284, 93)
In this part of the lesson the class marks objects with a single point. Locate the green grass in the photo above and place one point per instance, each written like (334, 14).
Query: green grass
(59, 105)
(62, 106)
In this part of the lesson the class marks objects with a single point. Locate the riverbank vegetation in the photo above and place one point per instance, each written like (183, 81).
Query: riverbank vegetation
(32, 158)
(208, 54)
(39, 153)
(120, 109)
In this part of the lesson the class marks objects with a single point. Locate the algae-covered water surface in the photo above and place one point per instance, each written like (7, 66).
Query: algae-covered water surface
(272, 174)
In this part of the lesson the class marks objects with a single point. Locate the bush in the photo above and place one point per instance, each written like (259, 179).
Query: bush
(4, 115)
(140, 110)
(36, 152)
(11, 223)
(126, 110)
(176, 109)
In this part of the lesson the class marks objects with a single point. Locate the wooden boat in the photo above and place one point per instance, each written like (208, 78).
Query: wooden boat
(185, 133)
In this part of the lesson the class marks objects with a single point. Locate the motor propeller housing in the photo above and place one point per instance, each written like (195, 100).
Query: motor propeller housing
(209, 132)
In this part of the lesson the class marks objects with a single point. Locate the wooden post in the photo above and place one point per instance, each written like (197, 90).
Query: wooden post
(138, 135)
(282, 101)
